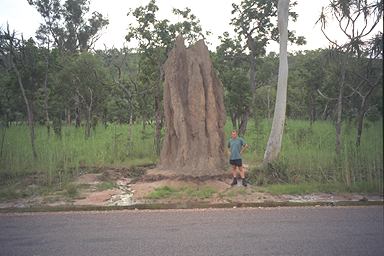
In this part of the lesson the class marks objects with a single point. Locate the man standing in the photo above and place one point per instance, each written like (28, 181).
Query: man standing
(236, 146)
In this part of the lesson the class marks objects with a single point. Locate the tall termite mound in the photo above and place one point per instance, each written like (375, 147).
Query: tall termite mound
(194, 142)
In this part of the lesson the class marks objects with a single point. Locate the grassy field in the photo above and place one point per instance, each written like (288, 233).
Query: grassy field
(68, 155)
(307, 157)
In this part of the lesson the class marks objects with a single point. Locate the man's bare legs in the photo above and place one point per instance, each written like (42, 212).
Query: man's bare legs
(234, 172)
(241, 171)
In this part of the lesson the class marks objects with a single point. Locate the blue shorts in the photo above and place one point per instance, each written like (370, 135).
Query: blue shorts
(236, 162)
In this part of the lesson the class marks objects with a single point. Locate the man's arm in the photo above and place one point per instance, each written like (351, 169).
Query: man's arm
(243, 148)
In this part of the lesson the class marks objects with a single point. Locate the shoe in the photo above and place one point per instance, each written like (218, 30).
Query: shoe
(234, 182)
(244, 183)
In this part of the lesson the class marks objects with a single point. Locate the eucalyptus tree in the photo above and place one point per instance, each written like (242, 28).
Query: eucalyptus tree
(155, 39)
(11, 102)
(273, 148)
(356, 19)
(23, 59)
(65, 28)
(369, 72)
(232, 67)
(308, 75)
(122, 67)
(86, 76)
(125, 98)
(254, 23)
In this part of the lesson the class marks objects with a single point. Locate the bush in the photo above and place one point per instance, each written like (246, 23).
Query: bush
(274, 173)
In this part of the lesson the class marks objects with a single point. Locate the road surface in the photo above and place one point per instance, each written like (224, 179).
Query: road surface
(260, 231)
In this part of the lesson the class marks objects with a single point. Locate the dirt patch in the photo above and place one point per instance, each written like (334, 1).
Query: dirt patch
(125, 187)
(97, 198)
(89, 178)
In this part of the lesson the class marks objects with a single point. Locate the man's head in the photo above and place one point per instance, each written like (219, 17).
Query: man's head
(234, 134)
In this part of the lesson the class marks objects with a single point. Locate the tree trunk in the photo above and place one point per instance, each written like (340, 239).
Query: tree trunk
(158, 112)
(359, 128)
(29, 110)
(47, 121)
(68, 115)
(360, 121)
(158, 126)
(243, 123)
(312, 108)
(325, 114)
(88, 123)
(340, 109)
(77, 112)
(338, 120)
(11, 54)
(3, 132)
(234, 121)
(89, 115)
(130, 129)
(275, 138)
(252, 73)
(361, 113)
(268, 102)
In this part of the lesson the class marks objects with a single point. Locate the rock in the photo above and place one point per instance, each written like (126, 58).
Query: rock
(364, 199)
(194, 142)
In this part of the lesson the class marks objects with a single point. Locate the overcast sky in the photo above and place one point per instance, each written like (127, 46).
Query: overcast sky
(214, 16)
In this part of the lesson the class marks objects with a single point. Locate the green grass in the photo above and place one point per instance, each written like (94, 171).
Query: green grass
(65, 157)
(9, 192)
(184, 192)
(235, 192)
(162, 192)
(307, 156)
(199, 192)
(105, 186)
(71, 190)
(309, 188)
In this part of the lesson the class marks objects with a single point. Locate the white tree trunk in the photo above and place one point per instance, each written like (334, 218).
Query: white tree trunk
(274, 143)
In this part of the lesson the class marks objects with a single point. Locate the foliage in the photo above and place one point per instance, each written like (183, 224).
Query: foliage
(124, 100)
(254, 21)
(356, 20)
(232, 67)
(65, 26)
(85, 80)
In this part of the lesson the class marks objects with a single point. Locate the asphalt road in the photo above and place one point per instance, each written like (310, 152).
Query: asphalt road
(265, 231)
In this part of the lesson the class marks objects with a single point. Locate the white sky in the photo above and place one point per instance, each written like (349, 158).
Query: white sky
(214, 16)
